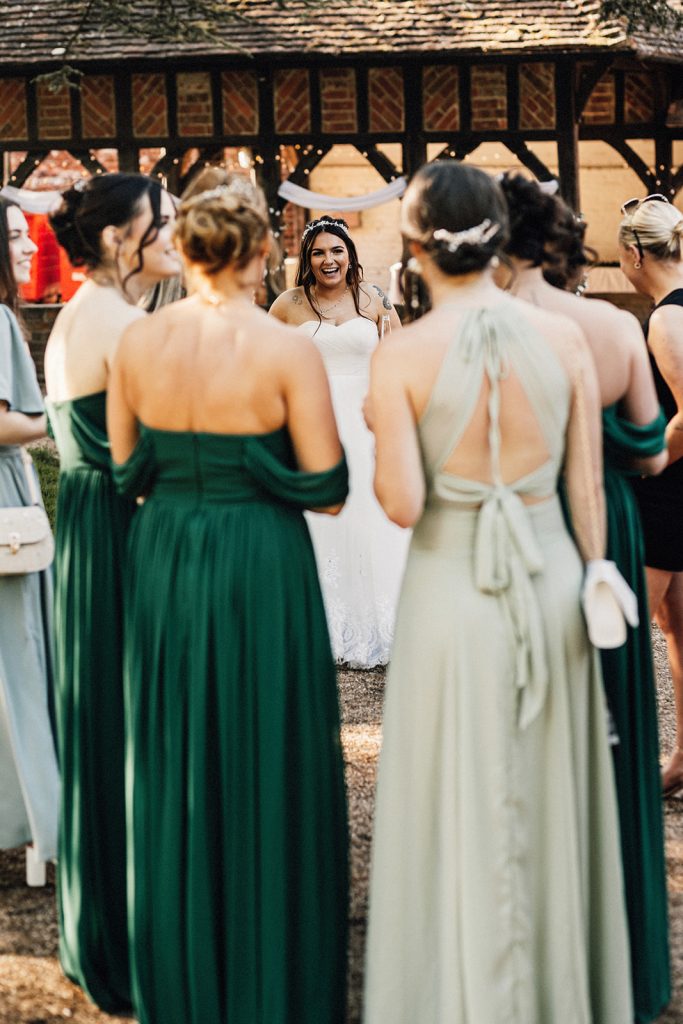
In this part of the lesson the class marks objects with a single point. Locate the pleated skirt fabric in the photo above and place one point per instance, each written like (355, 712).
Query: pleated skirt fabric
(91, 877)
(628, 673)
(496, 891)
(237, 817)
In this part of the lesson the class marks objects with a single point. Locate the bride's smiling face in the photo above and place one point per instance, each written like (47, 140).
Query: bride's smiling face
(329, 260)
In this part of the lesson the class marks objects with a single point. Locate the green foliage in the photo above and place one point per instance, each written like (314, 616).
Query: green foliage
(47, 466)
(643, 14)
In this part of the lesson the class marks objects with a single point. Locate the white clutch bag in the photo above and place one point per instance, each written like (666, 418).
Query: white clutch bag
(26, 542)
(608, 604)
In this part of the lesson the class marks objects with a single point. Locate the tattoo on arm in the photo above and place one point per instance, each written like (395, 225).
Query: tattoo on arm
(383, 297)
(296, 299)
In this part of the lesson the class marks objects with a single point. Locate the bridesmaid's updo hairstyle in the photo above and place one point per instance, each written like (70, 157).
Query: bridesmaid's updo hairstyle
(533, 217)
(88, 207)
(223, 226)
(458, 215)
(654, 227)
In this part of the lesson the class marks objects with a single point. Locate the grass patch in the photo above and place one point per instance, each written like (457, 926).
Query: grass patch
(47, 466)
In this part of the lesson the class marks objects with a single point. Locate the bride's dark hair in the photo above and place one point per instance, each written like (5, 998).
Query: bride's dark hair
(305, 277)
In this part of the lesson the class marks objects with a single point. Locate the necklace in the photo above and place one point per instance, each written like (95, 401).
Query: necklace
(324, 312)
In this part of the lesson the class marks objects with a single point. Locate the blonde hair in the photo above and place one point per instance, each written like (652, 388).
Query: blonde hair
(656, 228)
(222, 226)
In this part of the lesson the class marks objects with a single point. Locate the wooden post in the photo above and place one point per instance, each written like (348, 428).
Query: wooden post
(567, 132)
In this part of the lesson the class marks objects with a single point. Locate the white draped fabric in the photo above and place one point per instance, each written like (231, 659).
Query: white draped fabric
(341, 204)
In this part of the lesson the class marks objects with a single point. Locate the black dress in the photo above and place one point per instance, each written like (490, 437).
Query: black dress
(660, 498)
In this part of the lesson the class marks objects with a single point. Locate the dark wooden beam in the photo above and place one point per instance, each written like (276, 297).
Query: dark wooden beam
(677, 181)
(90, 162)
(529, 159)
(635, 162)
(664, 158)
(588, 79)
(382, 164)
(567, 133)
(26, 168)
(459, 148)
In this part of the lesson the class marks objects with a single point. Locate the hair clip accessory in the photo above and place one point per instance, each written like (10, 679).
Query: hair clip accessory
(318, 225)
(476, 235)
(239, 187)
(80, 184)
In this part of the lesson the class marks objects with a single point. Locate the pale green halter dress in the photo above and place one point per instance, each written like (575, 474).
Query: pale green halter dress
(496, 891)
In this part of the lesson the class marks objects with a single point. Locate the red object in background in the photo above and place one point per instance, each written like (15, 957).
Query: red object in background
(53, 279)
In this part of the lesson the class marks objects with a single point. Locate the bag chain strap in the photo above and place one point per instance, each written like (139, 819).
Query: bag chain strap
(30, 478)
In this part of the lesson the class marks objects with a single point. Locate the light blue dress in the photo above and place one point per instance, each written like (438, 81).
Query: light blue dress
(29, 779)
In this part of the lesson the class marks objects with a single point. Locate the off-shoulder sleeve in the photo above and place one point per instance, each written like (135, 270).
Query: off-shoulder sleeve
(303, 490)
(625, 442)
(91, 438)
(135, 476)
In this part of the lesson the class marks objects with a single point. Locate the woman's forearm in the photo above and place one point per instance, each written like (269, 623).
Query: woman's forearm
(674, 437)
(18, 428)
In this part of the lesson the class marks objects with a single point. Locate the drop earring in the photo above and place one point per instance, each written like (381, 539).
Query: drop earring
(413, 265)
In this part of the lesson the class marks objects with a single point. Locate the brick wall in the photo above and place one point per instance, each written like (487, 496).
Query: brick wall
(240, 102)
(386, 100)
(292, 100)
(150, 105)
(13, 120)
(440, 98)
(601, 105)
(639, 98)
(338, 100)
(537, 95)
(489, 97)
(54, 112)
(195, 107)
(39, 320)
(98, 106)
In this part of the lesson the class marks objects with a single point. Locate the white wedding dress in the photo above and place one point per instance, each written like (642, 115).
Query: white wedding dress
(360, 554)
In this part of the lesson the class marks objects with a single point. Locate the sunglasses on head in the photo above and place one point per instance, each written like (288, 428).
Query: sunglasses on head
(631, 205)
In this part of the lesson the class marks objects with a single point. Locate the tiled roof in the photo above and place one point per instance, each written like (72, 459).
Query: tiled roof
(33, 32)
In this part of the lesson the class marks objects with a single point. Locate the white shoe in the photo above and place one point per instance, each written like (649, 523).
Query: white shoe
(36, 874)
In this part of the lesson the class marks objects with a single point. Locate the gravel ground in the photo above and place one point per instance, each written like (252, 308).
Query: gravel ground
(34, 991)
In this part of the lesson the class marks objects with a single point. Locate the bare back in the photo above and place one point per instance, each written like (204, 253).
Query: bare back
(521, 445)
(227, 369)
(616, 343)
(84, 339)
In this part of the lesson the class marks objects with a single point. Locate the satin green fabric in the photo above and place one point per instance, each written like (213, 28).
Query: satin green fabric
(237, 817)
(629, 684)
(92, 520)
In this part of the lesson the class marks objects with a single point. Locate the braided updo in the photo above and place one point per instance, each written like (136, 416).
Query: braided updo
(224, 226)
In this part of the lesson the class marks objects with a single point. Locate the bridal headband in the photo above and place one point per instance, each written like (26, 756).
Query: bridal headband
(240, 187)
(319, 225)
(476, 235)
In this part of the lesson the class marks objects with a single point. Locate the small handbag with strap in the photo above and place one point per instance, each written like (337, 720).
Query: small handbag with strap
(26, 542)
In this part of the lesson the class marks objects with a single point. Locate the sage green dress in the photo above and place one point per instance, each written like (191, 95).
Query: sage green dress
(92, 520)
(629, 684)
(237, 815)
(496, 892)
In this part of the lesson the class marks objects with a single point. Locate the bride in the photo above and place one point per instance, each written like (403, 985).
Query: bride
(360, 554)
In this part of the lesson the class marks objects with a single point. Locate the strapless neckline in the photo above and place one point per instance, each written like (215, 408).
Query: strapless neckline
(354, 319)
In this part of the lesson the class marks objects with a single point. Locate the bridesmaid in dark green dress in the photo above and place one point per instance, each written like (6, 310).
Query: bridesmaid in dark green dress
(545, 233)
(118, 227)
(222, 418)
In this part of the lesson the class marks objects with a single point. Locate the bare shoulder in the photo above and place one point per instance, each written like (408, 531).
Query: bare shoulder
(667, 321)
(289, 306)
